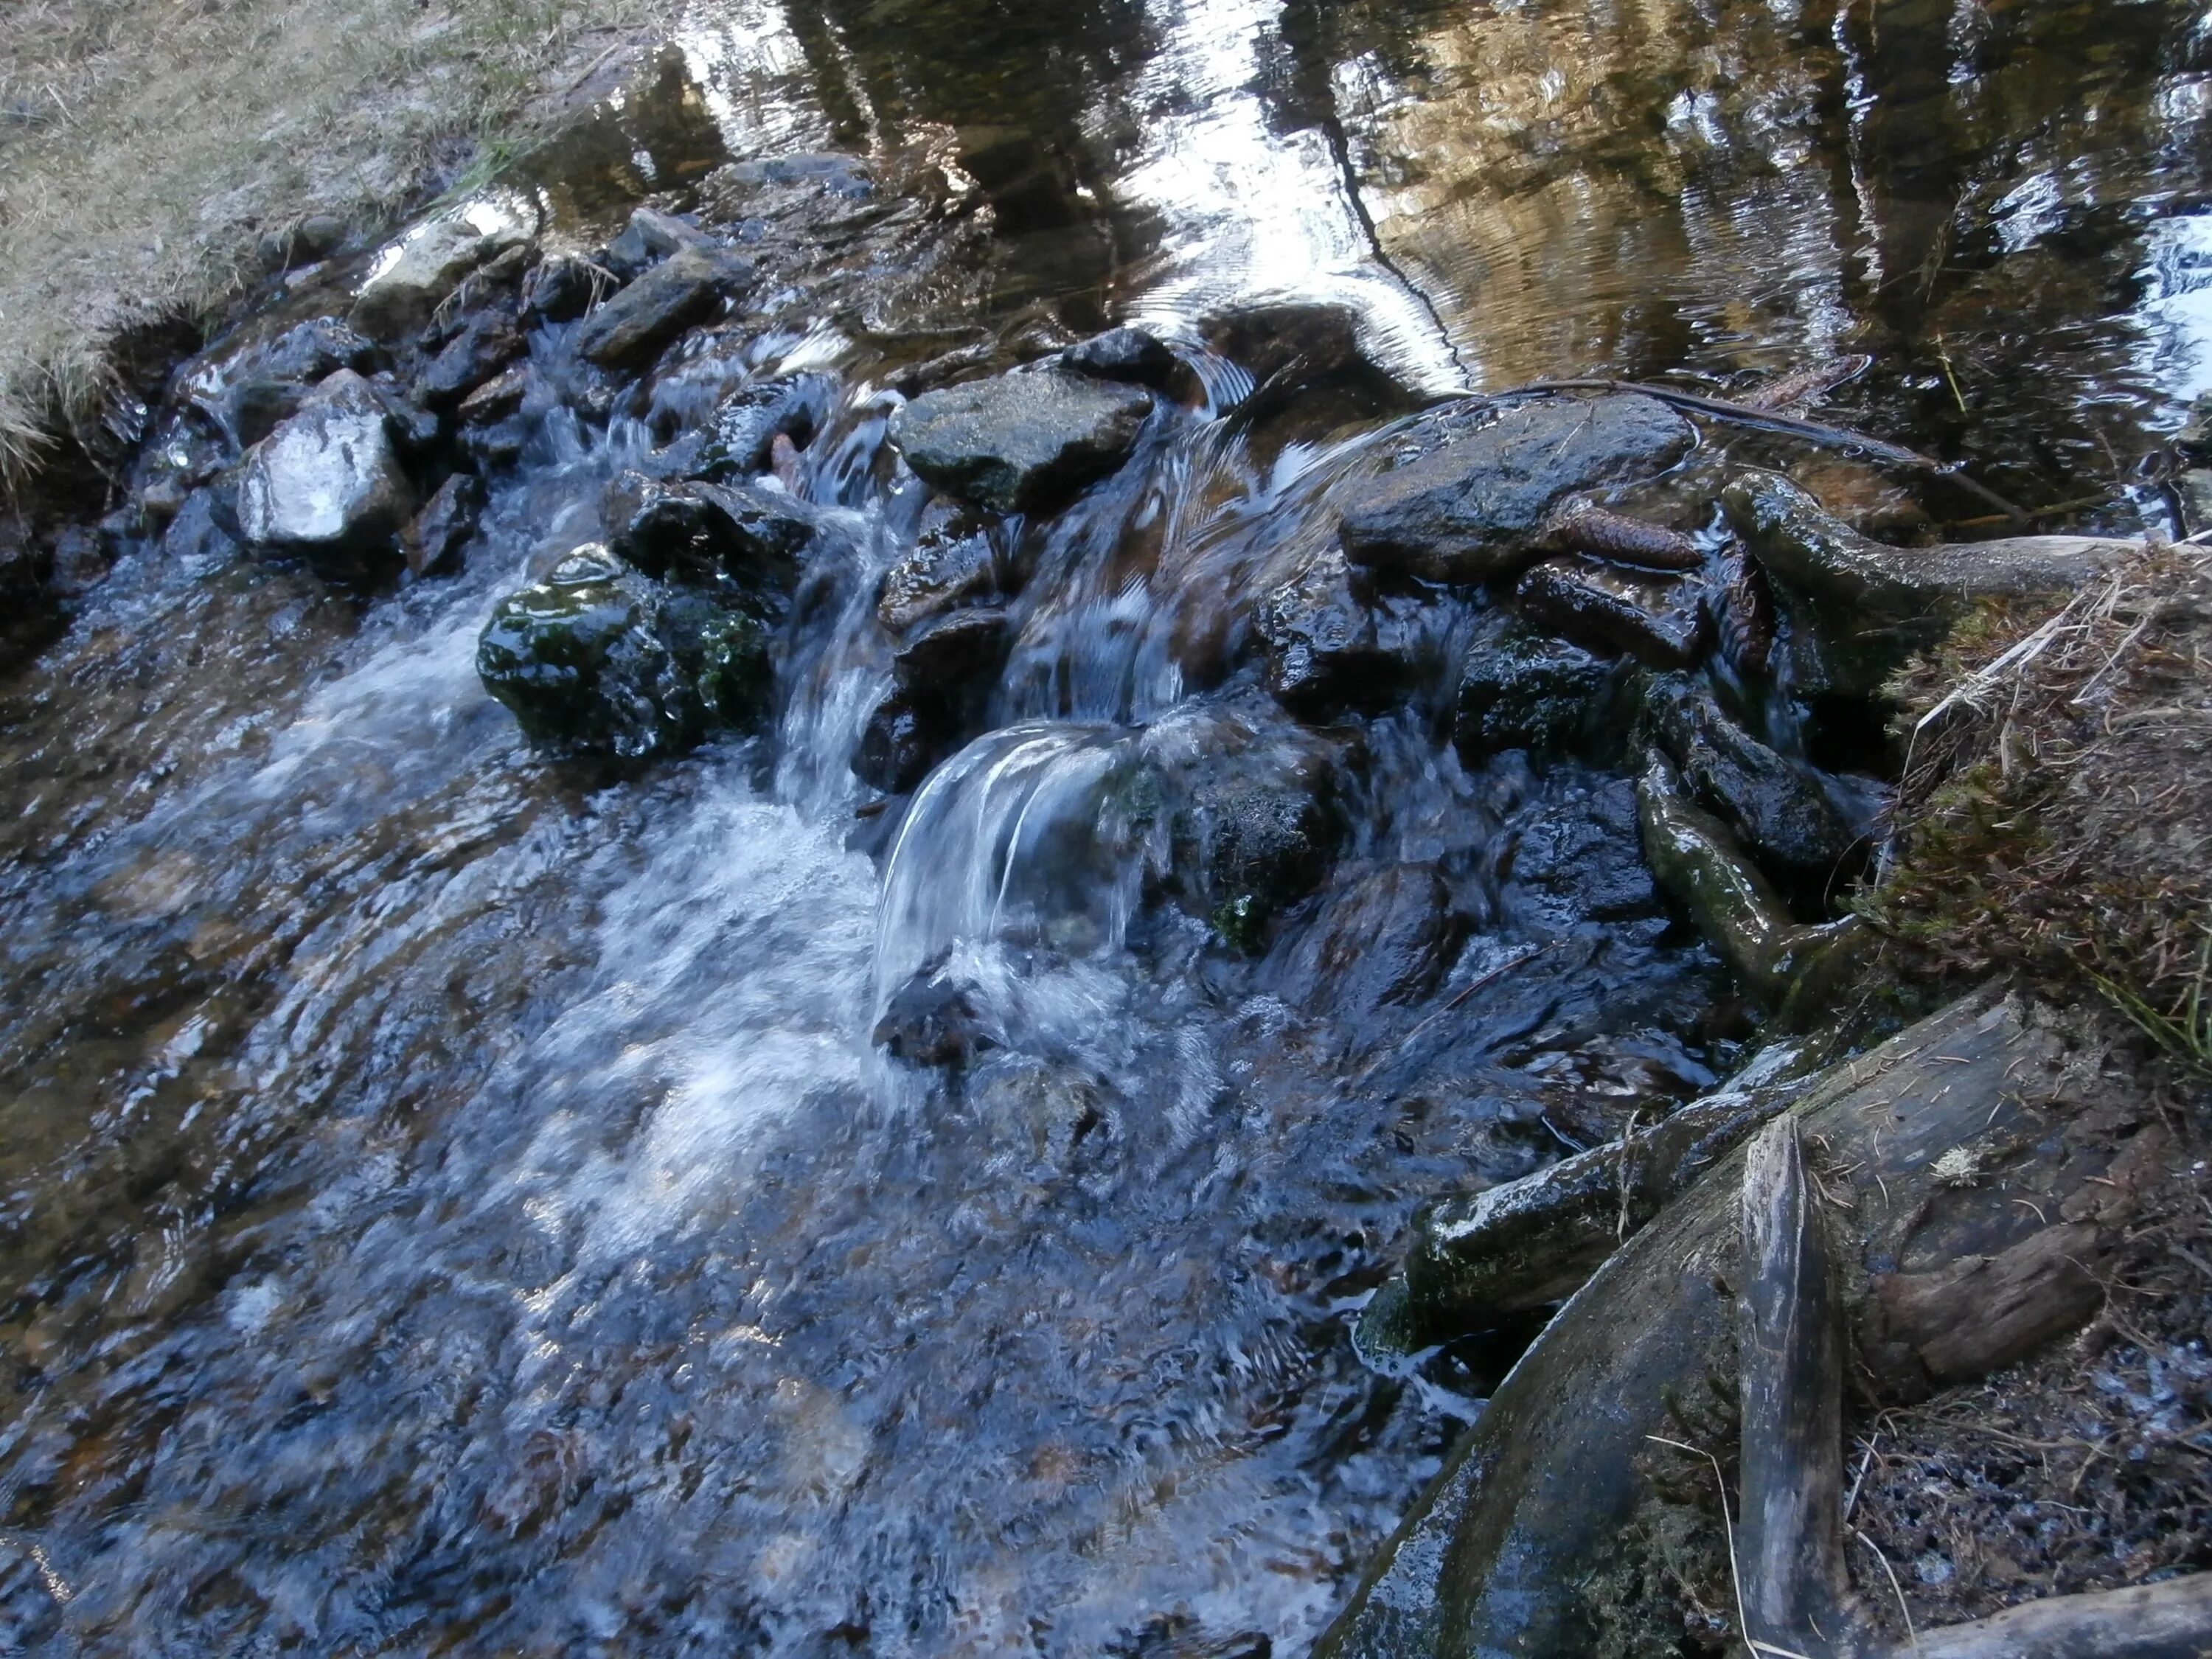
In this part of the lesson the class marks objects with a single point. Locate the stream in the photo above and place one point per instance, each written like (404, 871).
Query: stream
(458, 1203)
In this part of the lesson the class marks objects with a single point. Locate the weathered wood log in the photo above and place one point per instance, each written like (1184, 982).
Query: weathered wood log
(2171, 1620)
(1791, 1388)
(1534, 1541)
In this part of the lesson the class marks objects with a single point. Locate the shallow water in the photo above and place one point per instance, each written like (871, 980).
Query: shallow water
(454, 1202)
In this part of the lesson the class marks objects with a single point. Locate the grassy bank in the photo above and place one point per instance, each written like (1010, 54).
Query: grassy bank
(147, 146)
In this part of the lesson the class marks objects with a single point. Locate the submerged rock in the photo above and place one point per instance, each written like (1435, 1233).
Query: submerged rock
(1388, 939)
(598, 658)
(1023, 442)
(685, 288)
(1468, 500)
(1776, 804)
(1659, 619)
(1860, 608)
(933, 1020)
(419, 271)
(1519, 689)
(327, 483)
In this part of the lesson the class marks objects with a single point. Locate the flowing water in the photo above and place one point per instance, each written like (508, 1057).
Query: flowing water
(453, 1202)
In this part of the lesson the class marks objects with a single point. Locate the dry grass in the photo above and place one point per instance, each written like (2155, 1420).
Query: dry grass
(144, 144)
(2056, 814)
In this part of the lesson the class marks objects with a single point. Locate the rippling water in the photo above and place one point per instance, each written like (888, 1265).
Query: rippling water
(454, 1203)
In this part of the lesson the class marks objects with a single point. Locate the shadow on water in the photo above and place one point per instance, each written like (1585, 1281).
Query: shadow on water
(453, 1202)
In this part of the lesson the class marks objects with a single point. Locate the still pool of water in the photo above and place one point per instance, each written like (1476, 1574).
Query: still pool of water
(452, 1203)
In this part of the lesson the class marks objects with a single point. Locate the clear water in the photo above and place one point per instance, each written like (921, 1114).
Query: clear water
(452, 1203)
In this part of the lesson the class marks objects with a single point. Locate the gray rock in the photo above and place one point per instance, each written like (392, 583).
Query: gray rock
(1776, 804)
(1659, 619)
(326, 482)
(1859, 608)
(419, 271)
(650, 234)
(951, 564)
(1325, 654)
(1130, 354)
(445, 526)
(561, 288)
(1021, 443)
(748, 421)
(480, 350)
(315, 350)
(1466, 500)
(1572, 856)
(1519, 689)
(685, 288)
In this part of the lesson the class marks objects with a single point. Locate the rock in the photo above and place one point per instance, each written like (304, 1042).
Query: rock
(1308, 343)
(951, 564)
(563, 289)
(1776, 805)
(416, 429)
(198, 533)
(1023, 442)
(444, 526)
(905, 736)
(1466, 500)
(480, 350)
(496, 398)
(1130, 354)
(743, 543)
(315, 350)
(1325, 652)
(1858, 608)
(1572, 856)
(650, 234)
(1385, 940)
(414, 274)
(685, 288)
(493, 444)
(1252, 816)
(931, 1020)
(1699, 866)
(80, 562)
(1519, 689)
(747, 423)
(942, 655)
(1659, 619)
(597, 658)
(254, 409)
(327, 483)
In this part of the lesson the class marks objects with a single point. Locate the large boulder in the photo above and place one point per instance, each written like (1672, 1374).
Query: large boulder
(685, 288)
(598, 658)
(327, 483)
(1859, 608)
(1467, 496)
(1023, 442)
(414, 274)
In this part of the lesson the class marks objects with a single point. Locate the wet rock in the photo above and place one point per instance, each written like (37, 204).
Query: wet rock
(161, 501)
(747, 423)
(650, 235)
(1023, 442)
(1572, 856)
(946, 652)
(198, 534)
(1129, 354)
(416, 429)
(1468, 496)
(951, 564)
(1325, 654)
(906, 736)
(327, 483)
(597, 658)
(1304, 343)
(1859, 608)
(418, 271)
(489, 342)
(685, 288)
(1776, 805)
(496, 398)
(1252, 817)
(315, 350)
(1521, 690)
(1388, 939)
(1659, 619)
(254, 409)
(742, 543)
(493, 444)
(932, 1020)
(80, 562)
(563, 289)
(445, 526)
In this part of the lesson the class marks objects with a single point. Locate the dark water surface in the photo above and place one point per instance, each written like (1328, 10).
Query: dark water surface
(451, 1202)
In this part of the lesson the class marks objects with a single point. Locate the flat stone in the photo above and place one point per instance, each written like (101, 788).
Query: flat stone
(685, 288)
(1021, 443)
(1659, 619)
(326, 481)
(413, 274)
(1466, 500)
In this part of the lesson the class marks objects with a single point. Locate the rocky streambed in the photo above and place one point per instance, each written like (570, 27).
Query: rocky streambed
(701, 960)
